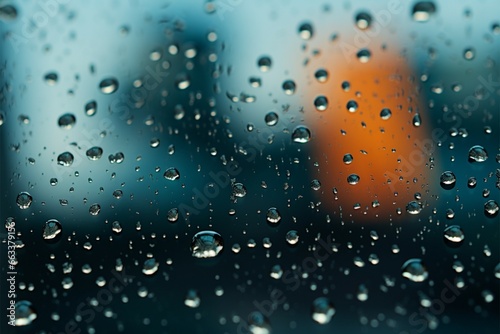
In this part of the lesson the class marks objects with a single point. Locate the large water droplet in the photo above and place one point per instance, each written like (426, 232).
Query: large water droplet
(322, 310)
(239, 190)
(292, 237)
(51, 229)
(271, 118)
(67, 121)
(301, 134)
(24, 313)
(108, 85)
(150, 267)
(413, 208)
(321, 103)
(423, 10)
(192, 299)
(289, 87)
(264, 63)
(363, 55)
(24, 200)
(306, 31)
(491, 208)
(454, 233)
(172, 174)
(347, 159)
(448, 180)
(94, 153)
(352, 106)
(478, 154)
(363, 20)
(51, 78)
(65, 159)
(206, 244)
(95, 209)
(273, 216)
(414, 270)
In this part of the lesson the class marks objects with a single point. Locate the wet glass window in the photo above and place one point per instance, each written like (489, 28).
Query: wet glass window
(237, 166)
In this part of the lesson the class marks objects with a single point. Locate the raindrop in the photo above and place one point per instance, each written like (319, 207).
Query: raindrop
(271, 118)
(258, 323)
(292, 237)
(182, 81)
(422, 11)
(363, 20)
(273, 215)
(173, 215)
(25, 313)
(192, 299)
(91, 108)
(478, 154)
(469, 53)
(206, 244)
(8, 12)
(364, 55)
(321, 103)
(67, 121)
(51, 229)
(417, 121)
(264, 63)
(352, 106)
(289, 87)
(454, 233)
(347, 159)
(322, 310)
(306, 31)
(321, 75)
(353, 179)
(385, 114)
(94, 153)
(301, 134)
(315, 185)
(150, 267)
(65, 159)
(24, 200)
(239, 190)
(413, 208)
(447, 180)
(51, 78)
(108, 85)
(172, 174)
(94, 209)
(491, 208)
(414, 270)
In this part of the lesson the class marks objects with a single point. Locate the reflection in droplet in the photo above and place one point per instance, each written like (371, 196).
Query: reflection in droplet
(363, 55)
(108, 85)
(321, 103)
(301, 134)
(363, 20)
(150, 267)
(271, 118)
(264, 63)
(491, 208)
(321, 75)
(24, 200)
(171, 174)
(51, 229)
(454, 233)
(51, 78)
(206, 244)
(322, 310)
(258, 323)
(24, 313)
(273, 216)
(414, 270)
(289, 87)
(91, 108)
(385, 113)
(353, 179)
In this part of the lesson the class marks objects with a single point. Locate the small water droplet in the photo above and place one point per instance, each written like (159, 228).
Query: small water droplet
(347, 159)
(24, 313)
(491, 208)
(321, 103)
(363, 20)
(448, 180)
(24, 200)
(352, 106)
(363, 55)
(150, 267)
(454, 233)
(273, 216)
(322, 310)
(51, 78)
(65, 159)
(306, 31)
(321, 75)
(94, 209)
(51, 229)
(292, 237)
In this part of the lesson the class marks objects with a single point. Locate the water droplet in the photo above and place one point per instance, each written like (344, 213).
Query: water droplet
(255, 82)
(94, 209)
(347, 159)
(352, 106)
(292, 237)
(417, 121)
(172, 174)
(264, 63)
(53, 181)
(363, 55)
(192, 299)
(306, 31)
(289, 87)
(414, 270)
(154, 142)
(116, 158)
(65, 159)
(276, 271)
(353, 179)
(108, 85)
(478, 154)
(94, 153)
(413, 208)
(271, 118)
(321, 75)
(8, 12)
(491, 208)
(346, 86)
(469, 53)
(258, 323)
(447, 180)
(24, 200)
(25, 313)
(182, 81)
(322, 310)
(301, 134)
(315, 185)
(116, 227)
(422, 11)
(117, 194)
(273, 215)
(51, 229)
(67, 121)
(150, 267)
(321, 103)
(385, 114)
(155, 55)
(363, 20)
(206, 244)
(51, 78)
(91, 108)
(173, 215)
(454, 233)
(239, 190)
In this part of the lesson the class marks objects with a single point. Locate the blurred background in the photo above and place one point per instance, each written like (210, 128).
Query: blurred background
(138, 124)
